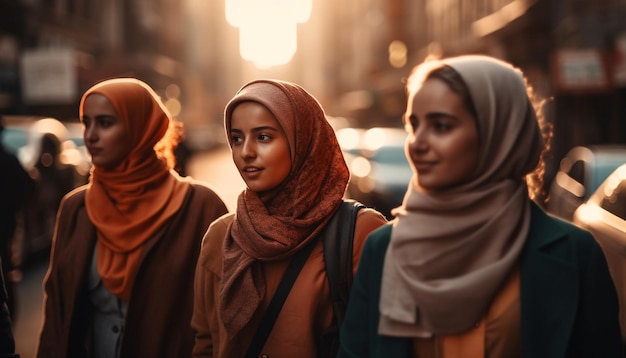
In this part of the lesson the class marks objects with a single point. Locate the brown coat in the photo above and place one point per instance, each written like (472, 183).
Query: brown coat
(160, 308)
(307, 310)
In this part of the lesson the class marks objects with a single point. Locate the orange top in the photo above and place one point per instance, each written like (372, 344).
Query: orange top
(496, 335)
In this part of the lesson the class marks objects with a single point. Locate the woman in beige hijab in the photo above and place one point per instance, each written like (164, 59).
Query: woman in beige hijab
(471, 266)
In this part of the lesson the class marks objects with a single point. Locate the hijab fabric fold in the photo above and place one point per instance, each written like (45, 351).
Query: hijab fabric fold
(274, 225)
(451, 251)
(131, 203)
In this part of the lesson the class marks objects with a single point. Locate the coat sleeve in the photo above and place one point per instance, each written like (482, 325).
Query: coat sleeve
(359, 336)
(203, 346)
(597, 333)
(54, 333)
(361, 322)
(7, 342)
(51, 330)
(353, 334)
(204, 320)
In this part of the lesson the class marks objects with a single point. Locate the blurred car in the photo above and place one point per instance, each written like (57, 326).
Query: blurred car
(604, 215)
(54, 155)
(379, 170)
(581, 172)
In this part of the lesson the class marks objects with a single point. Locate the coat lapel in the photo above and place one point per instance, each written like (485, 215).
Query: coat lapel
(549, 290)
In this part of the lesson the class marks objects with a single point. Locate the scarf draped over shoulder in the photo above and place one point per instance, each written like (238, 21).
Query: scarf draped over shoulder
(275, 225)
(451, 251)
(131, 203)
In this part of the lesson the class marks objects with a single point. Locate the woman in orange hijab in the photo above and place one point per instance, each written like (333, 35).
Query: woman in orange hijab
(125, 245)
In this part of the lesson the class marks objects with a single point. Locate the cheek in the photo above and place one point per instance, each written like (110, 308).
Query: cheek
(281, 161)
(409, 155)
(122, 142)
(467, 153)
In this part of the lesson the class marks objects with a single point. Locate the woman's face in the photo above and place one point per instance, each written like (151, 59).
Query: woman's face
(443, 144)
(259, 146)
(105, 135)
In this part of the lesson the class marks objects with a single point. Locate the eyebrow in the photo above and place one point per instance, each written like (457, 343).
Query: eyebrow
(102, 116)
(257, 129)
(433, 116)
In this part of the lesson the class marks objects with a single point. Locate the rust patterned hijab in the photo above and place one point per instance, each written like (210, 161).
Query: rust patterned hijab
(280, 222)
(451, 251)
(131, 203)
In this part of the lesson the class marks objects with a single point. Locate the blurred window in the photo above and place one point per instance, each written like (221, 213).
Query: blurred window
(615, 203)
(390, 155)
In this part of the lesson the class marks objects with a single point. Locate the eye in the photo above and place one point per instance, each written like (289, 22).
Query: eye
(86, 122)
(235, 139)
(104, 122)
(442, 126)
(263, 137)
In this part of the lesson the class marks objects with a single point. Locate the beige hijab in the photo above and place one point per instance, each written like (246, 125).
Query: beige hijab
(451, 251)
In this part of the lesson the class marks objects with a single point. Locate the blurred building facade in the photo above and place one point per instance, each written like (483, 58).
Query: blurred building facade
(352, 55)
(572, 52)
(51, 51)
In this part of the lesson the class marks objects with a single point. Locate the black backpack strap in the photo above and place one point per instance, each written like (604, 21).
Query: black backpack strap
(269, 318)
(338, 246)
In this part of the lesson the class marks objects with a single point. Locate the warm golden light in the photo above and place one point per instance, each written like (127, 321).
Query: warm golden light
(172, 91)
(173, 106)
(397, 54)
(360, 167)
(348, 138)
(272, 44)
(267, 29)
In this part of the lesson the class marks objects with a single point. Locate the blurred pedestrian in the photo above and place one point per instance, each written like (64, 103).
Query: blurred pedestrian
(120, 281)
(7, 342)
(16, 190)
(182, 153)
(472, 266)
(287, 154)
(53, 179)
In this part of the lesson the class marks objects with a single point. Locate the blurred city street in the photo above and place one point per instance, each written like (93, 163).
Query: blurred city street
(214, 167)
(353, 57)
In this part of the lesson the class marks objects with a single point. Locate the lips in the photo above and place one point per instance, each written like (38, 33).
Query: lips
(251, 172)
(423, 166)
(94, 151)
(251, 169)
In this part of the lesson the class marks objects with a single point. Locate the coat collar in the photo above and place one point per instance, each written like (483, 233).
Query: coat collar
(544, 229)
(549, 289)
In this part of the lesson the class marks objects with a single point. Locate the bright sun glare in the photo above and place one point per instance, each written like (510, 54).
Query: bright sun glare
(267, 28)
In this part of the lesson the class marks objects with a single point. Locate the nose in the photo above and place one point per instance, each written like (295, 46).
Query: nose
(89, 134)
(417, 141)
(248, 149)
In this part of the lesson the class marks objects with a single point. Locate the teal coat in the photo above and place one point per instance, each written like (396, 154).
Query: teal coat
(569, 305)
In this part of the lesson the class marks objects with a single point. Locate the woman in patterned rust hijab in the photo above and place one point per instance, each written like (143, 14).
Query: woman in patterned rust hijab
(295, 173)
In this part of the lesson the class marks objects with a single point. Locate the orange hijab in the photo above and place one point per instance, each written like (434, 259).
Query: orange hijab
(131, 203)
(277, 224)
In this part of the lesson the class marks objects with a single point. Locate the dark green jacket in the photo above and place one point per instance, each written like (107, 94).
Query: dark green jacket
(569, 305)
